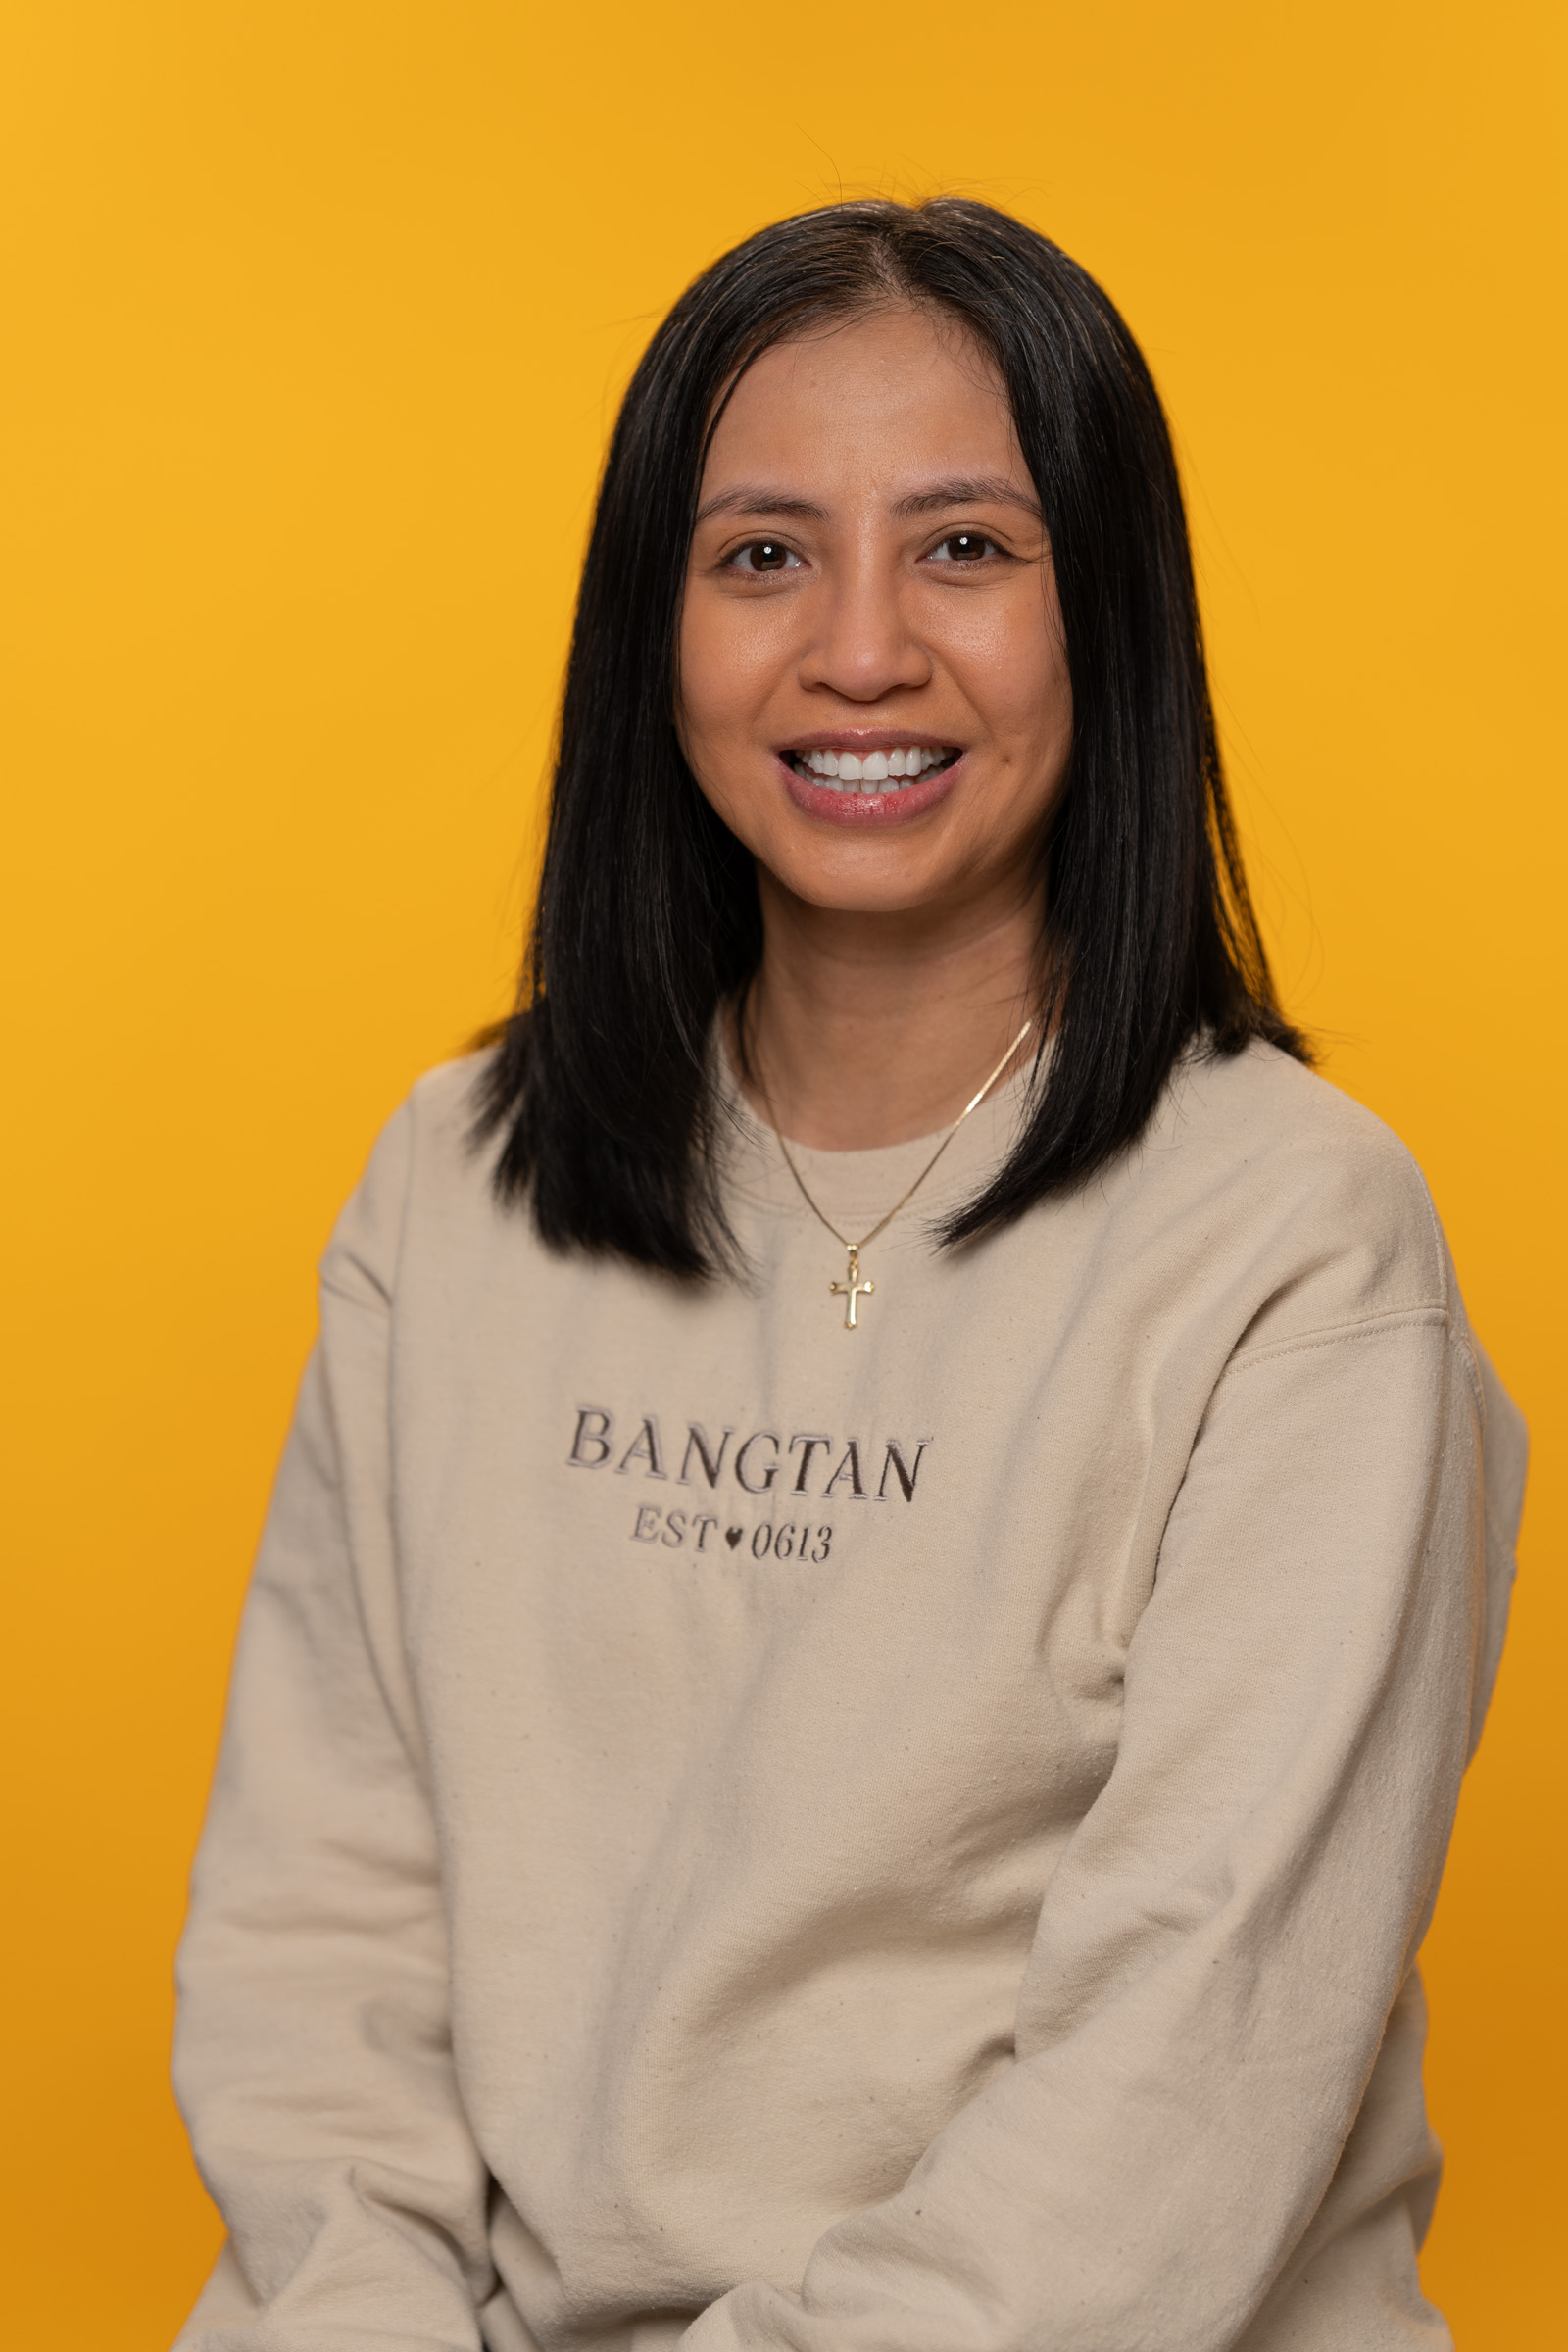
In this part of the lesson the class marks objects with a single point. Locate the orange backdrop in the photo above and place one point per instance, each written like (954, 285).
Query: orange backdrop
(318, 310)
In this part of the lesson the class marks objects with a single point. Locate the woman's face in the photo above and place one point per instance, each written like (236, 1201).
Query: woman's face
(873, 683)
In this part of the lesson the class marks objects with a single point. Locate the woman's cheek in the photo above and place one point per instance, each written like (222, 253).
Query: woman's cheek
(724, 665)
(1002, 648)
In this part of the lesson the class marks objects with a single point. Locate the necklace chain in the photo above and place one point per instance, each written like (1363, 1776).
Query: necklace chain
(852, 1289)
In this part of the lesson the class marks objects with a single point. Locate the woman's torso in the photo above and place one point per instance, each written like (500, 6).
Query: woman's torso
(766, 1668)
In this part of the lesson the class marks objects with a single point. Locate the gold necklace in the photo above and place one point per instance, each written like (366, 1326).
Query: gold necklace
(853, 1287)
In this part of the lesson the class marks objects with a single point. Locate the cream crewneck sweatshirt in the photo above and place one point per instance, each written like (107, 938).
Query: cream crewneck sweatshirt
(911, 1840)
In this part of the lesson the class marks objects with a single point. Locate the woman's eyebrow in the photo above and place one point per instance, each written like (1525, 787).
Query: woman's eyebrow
(753, 499)
(966, 490)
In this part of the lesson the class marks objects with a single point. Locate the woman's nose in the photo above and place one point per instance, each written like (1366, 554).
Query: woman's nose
(865, 647)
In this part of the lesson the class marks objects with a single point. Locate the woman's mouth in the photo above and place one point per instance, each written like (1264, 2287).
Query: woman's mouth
(880, 784)
(893, 771)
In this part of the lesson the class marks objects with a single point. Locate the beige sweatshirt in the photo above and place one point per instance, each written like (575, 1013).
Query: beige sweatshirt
(904, 1839)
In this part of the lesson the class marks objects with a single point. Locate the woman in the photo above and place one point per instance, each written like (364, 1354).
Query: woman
(850, 1715)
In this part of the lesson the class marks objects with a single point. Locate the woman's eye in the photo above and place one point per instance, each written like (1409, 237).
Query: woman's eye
(962, 547)
(764, 555)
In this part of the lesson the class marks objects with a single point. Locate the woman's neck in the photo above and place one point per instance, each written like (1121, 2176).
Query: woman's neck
(863, 1030)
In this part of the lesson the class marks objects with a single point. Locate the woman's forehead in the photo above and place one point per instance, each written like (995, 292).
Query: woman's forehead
(890, 399)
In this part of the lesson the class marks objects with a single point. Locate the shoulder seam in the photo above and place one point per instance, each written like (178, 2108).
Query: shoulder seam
(350, 1297)
(1440, 1246)
(1459, 1340)
(1361, 1327)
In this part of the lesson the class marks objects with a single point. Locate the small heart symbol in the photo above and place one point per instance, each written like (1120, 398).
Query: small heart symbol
(733, 1535)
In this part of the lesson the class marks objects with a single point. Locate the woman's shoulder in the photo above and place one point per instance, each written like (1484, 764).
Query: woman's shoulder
(1262, 1105)
(443, 1106)
(1283, 1169)
(429, 1171)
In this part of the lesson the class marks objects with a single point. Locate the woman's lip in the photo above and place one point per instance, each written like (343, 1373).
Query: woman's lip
(874, 809)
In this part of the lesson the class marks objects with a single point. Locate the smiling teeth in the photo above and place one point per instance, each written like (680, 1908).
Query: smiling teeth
(844, 771)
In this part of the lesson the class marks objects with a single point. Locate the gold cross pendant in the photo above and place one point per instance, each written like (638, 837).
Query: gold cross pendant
(851, 1288)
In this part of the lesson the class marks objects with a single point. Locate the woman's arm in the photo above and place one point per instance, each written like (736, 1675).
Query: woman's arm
(312, 2057)
(1221, 1949)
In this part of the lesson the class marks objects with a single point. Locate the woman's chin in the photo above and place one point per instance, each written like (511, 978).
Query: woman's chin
(870, 875)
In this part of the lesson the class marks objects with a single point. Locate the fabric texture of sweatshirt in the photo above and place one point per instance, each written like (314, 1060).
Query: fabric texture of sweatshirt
(903, 1839)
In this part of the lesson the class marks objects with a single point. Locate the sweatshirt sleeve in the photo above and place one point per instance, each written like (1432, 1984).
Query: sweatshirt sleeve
(1223, 1940)
(313, 2056)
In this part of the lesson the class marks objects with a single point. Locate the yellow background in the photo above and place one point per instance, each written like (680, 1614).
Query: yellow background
(316, 311)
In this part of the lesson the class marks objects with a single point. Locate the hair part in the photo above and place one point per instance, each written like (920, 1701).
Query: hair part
(602, 1086)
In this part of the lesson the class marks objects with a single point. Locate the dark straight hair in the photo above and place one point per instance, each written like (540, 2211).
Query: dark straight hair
(602, 1086)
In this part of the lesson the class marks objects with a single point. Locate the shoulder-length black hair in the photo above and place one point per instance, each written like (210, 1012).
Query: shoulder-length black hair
(603, 1088)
